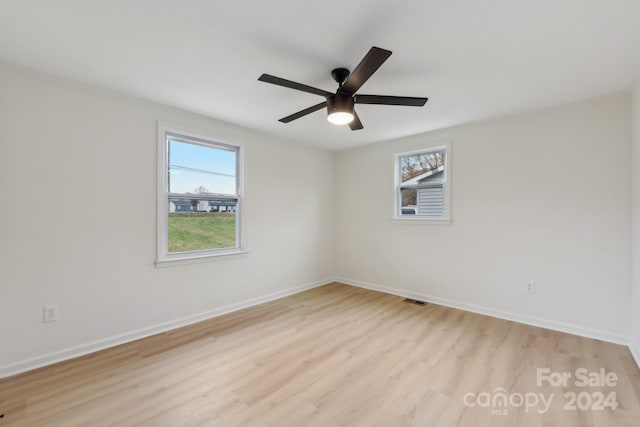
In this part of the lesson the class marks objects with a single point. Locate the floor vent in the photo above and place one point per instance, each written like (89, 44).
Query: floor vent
(415, 301)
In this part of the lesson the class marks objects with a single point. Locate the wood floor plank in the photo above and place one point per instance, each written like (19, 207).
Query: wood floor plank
(335, 355)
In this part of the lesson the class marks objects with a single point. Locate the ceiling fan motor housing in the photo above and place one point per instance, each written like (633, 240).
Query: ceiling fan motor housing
(340, 103)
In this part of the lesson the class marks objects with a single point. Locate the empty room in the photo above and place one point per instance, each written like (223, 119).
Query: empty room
(337, 213)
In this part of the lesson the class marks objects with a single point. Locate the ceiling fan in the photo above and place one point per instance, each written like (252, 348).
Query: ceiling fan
(340, 105)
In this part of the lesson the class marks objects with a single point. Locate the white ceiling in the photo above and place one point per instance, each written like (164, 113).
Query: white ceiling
(473, 59)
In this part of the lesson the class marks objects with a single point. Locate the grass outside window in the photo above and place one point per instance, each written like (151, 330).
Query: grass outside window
(201, 231)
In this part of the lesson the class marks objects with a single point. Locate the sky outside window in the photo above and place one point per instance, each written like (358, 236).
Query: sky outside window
(192, 166)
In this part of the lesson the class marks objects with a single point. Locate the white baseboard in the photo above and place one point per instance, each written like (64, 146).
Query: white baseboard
(515, 317)
(101, 344)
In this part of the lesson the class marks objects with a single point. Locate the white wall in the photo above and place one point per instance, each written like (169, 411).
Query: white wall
(541, 196)
(635, 111)
(77, 219)
(554, 208)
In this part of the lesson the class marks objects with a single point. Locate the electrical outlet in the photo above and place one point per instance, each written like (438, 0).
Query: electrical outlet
(530, 287)
(51, 313)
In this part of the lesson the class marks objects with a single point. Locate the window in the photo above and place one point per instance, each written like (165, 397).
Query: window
(421, 189)
(199, 198)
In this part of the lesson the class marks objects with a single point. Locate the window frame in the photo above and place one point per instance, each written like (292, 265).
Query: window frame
(163, 256)
(397, 216)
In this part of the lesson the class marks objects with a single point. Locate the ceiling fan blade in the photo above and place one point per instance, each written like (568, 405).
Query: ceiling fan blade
(391, 100)
(369, 64)
(303, 112)
(268, 78)
(355, 124)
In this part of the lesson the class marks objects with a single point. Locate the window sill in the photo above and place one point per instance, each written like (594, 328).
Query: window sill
(194, 259)
(421, 221)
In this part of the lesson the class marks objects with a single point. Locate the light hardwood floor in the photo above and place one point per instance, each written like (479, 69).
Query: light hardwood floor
(332, 356)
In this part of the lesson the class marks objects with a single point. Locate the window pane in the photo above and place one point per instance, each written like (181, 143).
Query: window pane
(422, 168)
(198, 169)
(201, 224)
(198, 219)
(409, 201)
(426, 201)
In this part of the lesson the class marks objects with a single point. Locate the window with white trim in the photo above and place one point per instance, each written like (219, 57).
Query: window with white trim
(199, 204)
(421, 189)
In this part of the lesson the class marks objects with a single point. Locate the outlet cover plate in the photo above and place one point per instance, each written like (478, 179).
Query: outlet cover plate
(530, 287)
(51, 313)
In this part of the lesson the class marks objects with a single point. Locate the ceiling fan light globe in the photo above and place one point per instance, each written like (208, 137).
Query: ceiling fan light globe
(340, 118)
